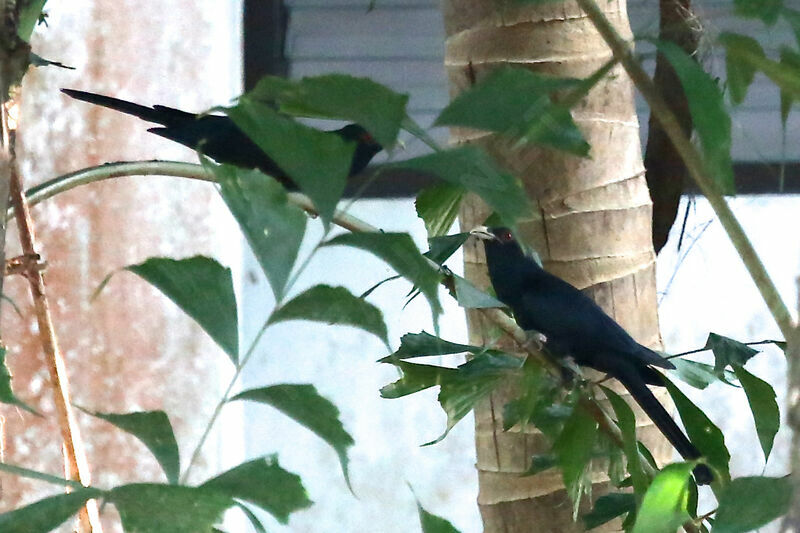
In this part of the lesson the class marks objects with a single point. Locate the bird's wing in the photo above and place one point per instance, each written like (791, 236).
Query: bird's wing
(566, 315)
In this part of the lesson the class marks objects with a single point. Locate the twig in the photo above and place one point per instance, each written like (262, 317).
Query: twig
(74, 454)
(694, 163)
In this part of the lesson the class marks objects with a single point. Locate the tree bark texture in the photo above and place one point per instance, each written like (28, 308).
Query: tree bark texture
(591, 225)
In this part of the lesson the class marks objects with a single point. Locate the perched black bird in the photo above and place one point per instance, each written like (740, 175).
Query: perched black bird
(220, 139)
(575, 326)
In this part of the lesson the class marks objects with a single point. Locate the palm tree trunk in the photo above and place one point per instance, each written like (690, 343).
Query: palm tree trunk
(591, 223)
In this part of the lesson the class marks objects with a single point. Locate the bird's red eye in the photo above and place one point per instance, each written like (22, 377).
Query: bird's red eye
(366, 138)
(506, 236)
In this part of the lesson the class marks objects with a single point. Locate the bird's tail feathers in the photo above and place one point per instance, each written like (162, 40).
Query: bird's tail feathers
(632, 381)
(158, 114)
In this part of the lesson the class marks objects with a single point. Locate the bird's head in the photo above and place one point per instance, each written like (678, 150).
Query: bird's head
(495, 236)
(499, 241)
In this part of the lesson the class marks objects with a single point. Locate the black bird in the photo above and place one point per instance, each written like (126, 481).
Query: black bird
(576, 326)
(220, 139)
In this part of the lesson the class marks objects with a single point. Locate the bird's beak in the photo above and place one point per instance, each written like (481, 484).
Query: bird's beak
(483, 233)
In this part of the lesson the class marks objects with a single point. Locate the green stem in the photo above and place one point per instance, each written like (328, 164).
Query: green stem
(694, 163)
(225, 397)
(177, 169)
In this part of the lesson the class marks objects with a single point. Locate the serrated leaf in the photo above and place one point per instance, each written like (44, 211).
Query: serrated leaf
(263, 483)
(304, 405)
(46, 514)
(747, 503)
(434, 524)
(766, 415)
(438, 206)
(318, 162)
(740, 73)
(424, 344)
(153, 428)
(150, 507)
(273, 228)
(574, 447)
(203, 289)
(400, 252)
(416, 377)
(664, 507)
(333, 305)
(6, 393)
(609, 507)
(517, 101)
(766, 10)
(727, 352)
(701, 431)
(707, 107)
(441, 248)
(471, 168)
(627, 425)
(537, 395)
(339, 96)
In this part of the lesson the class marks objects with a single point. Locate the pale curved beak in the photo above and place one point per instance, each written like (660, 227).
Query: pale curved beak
(483, 233)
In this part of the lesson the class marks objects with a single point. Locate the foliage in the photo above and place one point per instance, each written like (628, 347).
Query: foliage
(524, 107)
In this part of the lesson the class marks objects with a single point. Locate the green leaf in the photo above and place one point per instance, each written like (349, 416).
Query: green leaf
(333, 305)
(698, 375)
(471, 168)
(740, 73)
(747, 503)
(6, 393)
(46, 514)
(766, 10)
(415, 378)
(262, 482)
(438, 207)
(339, 96)
(441, 248)
(304, 405)
(790, 60)
(473, 381)
(319, 162)
(434, 524)
(517, 101)
(707, 107)
(273, 227)
(608, 507)
(784, 73)
(155, 431)
(727, 352)
(664, 507)
(424, 344)
(701, 431)
(400, 252)
(792, 16)
(203, 289)
(41, 476)
(630, 444)
(150, 507)
(536, 403)
(471, 297)
(574, 447)
(254, 521)
(460, 388)
(29, 15)
(766, 415)
(541, 463)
